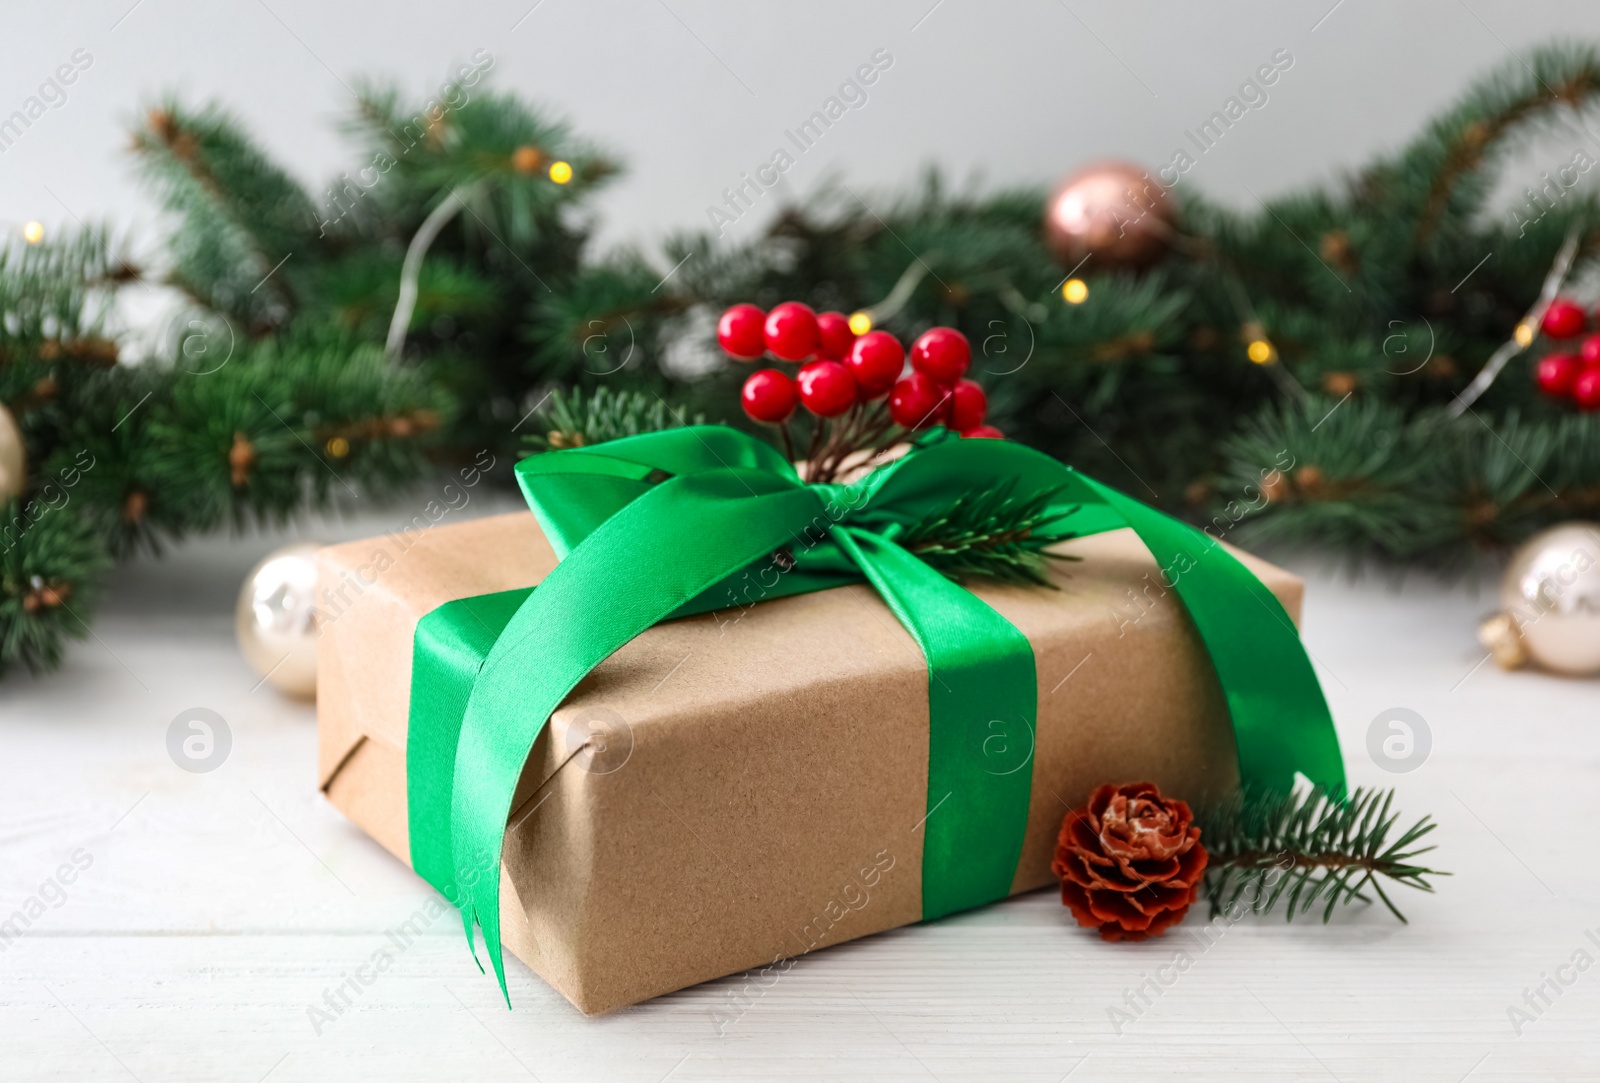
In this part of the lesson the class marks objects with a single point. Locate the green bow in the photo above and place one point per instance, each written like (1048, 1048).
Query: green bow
(673, 523)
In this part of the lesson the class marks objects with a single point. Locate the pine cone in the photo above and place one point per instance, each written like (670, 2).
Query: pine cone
(1130, 862)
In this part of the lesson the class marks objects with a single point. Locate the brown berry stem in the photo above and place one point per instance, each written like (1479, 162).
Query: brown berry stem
(896, 435)
(788, 441)
(817, 428)
(840, 443)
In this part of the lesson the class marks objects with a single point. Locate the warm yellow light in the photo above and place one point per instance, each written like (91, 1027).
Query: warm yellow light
(1523, 334)
(338, 447)
(1259, 351)
(560, 172)
(860, 323)
(1075, 291)
(33, 232)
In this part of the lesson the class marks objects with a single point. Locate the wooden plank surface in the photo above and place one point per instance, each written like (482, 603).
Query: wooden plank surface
(216, 911)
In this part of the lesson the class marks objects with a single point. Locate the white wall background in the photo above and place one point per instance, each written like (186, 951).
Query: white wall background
(691, 92)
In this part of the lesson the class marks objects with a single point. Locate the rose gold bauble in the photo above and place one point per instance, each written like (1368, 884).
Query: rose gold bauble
(1112, 210)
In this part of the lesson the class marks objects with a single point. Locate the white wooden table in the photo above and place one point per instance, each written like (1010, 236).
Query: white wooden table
(217, 908)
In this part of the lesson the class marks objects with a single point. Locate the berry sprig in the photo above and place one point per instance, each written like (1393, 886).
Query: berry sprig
(855, 387)
(1569, 375)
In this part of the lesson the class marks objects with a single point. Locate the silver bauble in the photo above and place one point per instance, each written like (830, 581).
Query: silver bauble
(275, 620)
(1551, 594)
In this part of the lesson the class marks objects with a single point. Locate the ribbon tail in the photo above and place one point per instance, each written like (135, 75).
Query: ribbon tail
(448, 650)
(490, 924)
(1281, 721)
(632, 571)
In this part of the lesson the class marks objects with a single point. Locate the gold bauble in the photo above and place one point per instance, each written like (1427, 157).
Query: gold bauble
(1112, 210)
(13, 457)
(1551, 601)
(275, 621)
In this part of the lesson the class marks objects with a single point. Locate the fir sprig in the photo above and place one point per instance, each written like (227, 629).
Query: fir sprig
(994, 533)
(1309, 848)
(578, 419)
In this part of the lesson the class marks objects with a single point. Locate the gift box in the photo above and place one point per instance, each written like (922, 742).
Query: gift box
(732, 789)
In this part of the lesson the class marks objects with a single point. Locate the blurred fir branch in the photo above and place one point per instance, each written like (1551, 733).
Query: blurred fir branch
(52, 566)
(134, 456)
(279, 397)
(1381, 295)
(1368, 480)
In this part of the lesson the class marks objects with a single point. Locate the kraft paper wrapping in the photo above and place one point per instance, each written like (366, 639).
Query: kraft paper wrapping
(746, 786)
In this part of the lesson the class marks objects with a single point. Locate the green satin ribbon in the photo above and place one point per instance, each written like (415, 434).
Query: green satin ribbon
(687, 521)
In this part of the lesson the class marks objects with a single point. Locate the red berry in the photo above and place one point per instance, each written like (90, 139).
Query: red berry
(984, 432)
(1586, 389)
(739, 332)
(826, 388)
(1556, 372)
(1589, 352)
(1563, 319)
(834, 335)
(791, 331)
(968, 404)
(769, 395)
(942, 353)
(918, 401)
(875, 360)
